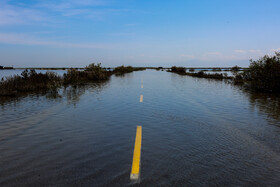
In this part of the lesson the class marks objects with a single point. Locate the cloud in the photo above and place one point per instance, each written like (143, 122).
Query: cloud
(21, 39)
(240, 51)
(277, 49)
(10, 15)
(255, 51)
(84, 8)
(248, 51)
(212, 54)
(40, 12)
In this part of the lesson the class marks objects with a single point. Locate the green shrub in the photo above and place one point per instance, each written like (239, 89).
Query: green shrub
(217, 69)
(180, 70)
(235, 68)
(121, 70)
(263, 74)
(29, 81)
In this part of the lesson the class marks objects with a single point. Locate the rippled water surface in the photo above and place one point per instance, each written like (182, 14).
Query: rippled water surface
(196, 132)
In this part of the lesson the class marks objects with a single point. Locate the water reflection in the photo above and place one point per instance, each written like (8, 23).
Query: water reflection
(74, 93)
(71, 93)
(265, 103)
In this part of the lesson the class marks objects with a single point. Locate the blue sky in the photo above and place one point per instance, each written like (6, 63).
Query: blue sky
(74, 33)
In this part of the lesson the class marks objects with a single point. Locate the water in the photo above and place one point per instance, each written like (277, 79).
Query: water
(196, 132)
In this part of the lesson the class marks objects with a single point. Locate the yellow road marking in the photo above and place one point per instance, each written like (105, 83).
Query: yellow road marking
(141, 98)
(141, 86)
(135, 170)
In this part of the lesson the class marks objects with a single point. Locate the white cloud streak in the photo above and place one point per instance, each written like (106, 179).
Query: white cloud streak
(53, 11)
(241, 51)
(13, 15)
(277, 49)
(21, 39)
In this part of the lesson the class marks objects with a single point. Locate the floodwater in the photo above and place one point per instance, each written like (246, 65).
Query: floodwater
(195, 132)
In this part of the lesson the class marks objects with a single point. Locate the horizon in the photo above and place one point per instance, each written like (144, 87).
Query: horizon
(144, 34)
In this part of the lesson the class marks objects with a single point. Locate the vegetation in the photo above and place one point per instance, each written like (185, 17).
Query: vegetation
(235, 69)
(120, 70)
(36, 68)
(92, 73)
(262, 75)
(32, 82)
(217, 69)
(179, 70)
(29, 81)
(191, 70)
(200, 74)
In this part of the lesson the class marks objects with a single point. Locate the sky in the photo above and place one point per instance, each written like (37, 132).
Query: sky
(190, 33)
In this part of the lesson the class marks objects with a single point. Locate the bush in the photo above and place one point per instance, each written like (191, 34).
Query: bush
(217, 69)
(29, 81)
(92, 73)
(180, 70)
(263, 74)
(120, 70)
(235, 68)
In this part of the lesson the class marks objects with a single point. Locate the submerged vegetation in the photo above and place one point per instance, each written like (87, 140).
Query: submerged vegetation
(32, 82)
(262, 75)
(179, 70)
(92, 73)
(29, 81)
(121, 70)
(201, 74)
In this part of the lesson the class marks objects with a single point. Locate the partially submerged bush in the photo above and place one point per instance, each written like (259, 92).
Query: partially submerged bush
(200, 74)
(217, 69)
(191, 70)
(235, 68)
(92, 73)
(263, 74)
(120, 70)
(29, 81)
(94, 68)
(180, 70)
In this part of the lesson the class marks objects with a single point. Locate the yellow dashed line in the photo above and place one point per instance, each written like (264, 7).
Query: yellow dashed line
(135, 170)
(141, 98)
(142, 86)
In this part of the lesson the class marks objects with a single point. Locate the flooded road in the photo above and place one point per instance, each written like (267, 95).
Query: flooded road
(195, 132)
